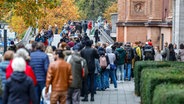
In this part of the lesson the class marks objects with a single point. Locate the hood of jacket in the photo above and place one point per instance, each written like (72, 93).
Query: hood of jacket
(76, 57)
(101, 51)
(120, 50)
(18, 76)
(67, 52)
(108, 50)
(3, 65)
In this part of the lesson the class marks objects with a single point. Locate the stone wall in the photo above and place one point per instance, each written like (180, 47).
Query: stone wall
(139, 20)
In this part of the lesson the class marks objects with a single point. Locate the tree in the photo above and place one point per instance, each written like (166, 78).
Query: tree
(60, 15)
(17, 24)
(111, 9)
(20, 14)
(29, 10)
(91, 9)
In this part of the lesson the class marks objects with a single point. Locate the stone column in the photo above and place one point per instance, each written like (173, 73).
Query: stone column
(121, 10)
(114, 17)
(155, 10)
(178, 36)
(169, 18)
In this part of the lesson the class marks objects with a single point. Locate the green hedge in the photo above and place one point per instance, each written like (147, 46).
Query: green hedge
(169, 94)
(151, 78)
(140, 65)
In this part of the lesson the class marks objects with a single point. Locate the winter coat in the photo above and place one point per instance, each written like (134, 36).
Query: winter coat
(51, 57)
(19, 89)
(181, 55)
(75, 62)
(122, 53)
(3, 66)
(90, 54)
(29, 72)
(165, 52)
(59, 76)
(39, 63)
(97, 66)
(101, 51)
(158, 56)
(111, 56)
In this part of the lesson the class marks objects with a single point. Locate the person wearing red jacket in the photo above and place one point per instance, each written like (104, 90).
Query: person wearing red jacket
(28, 71)
(90, 27)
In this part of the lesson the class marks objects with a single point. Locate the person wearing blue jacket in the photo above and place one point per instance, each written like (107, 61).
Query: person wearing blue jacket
(7, 57)
(39, 63)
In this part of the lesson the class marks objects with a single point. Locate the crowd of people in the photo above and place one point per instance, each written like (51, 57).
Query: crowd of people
(75, 68)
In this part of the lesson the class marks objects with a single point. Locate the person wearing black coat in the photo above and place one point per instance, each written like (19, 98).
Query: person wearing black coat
(19, 88)
(89, 54)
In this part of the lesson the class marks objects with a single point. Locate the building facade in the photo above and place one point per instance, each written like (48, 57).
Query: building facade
(140, 20)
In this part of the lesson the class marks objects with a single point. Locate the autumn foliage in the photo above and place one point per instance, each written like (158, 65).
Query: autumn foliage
(59, 15)
(111, 9)
(20, 14)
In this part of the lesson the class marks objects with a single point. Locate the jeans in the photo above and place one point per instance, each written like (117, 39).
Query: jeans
(119, 72)
(50, 40)
(106, 78)
(1, 100)
(127, 70)
(38, 89)
(112, 75)
(97, 83)
(73, 96)
(89, 85)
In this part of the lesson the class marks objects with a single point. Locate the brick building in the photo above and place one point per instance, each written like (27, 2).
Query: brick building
(140, 20)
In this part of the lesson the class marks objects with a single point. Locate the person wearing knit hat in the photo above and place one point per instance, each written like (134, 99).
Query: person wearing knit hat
(150, 43)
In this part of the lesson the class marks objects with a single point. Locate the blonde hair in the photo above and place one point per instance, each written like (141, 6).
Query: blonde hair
(49, 50)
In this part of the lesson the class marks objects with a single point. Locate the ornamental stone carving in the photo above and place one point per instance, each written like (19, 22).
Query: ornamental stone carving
(138, 8)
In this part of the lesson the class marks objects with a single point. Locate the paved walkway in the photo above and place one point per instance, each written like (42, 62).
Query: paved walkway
(124, 94)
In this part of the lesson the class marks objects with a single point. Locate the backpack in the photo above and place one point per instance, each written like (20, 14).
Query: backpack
(136, 56)
(103, 62)
(120, 56)
(129, 55)
(148, 52)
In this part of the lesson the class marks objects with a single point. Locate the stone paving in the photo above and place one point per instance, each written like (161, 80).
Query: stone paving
(124, 94)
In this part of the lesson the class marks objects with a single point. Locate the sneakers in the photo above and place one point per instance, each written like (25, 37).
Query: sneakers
(92, 99)
(85, 100)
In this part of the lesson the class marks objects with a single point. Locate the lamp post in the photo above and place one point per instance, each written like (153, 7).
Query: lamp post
(93, 6)
(2, 25)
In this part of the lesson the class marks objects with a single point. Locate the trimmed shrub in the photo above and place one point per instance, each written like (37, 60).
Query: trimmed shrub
(169, 94)
(151, 78)
(140, 65)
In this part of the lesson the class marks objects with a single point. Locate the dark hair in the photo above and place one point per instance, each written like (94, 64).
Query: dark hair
(53, 48)
(40, 46)
(59, 52)
(181, 46)
(34, 45)
(171, 48)
(21, 45)
(89, 43)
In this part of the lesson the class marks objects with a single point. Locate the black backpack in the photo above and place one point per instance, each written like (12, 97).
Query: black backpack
(148, 52)
(129, 54)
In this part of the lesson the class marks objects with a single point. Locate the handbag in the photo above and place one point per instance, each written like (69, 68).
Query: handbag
(112, 66)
